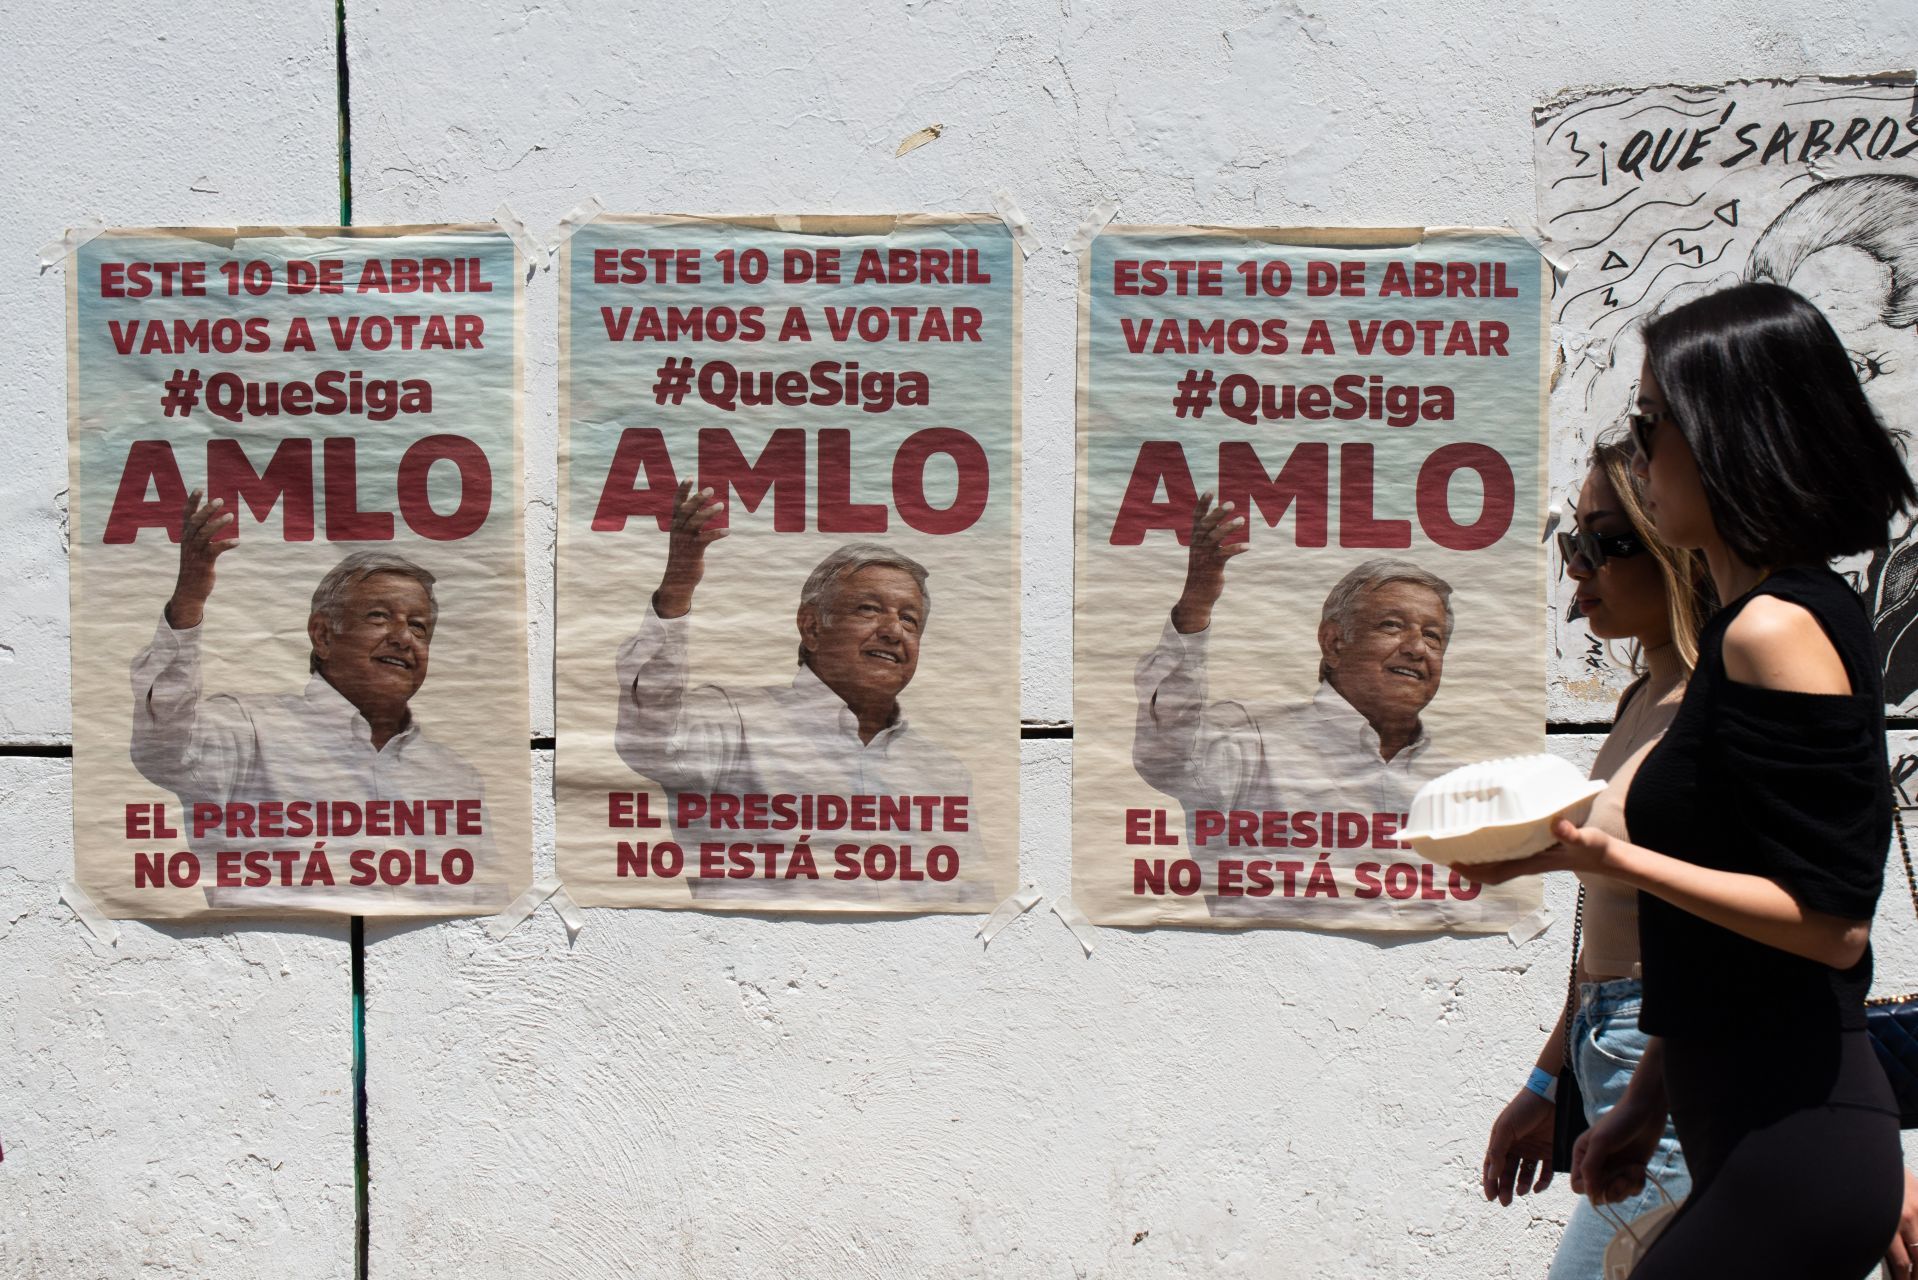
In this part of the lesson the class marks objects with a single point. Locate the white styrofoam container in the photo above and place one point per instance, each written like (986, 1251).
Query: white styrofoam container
(1497, 810)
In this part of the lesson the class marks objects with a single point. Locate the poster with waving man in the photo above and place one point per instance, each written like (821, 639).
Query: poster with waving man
(1308, 575)
(787, 657)
(299, 674)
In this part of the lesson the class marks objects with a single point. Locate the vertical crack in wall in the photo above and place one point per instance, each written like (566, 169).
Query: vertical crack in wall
(346, 113)
(362, 1173)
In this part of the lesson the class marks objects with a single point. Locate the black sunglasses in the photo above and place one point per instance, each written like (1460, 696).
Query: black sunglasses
(1643, 425)
(1596, 548)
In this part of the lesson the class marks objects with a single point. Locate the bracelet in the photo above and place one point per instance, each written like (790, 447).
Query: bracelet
(1543, 1083)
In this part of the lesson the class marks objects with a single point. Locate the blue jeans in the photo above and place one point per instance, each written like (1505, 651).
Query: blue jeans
(1606, 1048)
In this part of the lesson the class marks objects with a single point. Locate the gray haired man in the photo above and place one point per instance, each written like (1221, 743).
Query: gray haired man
(1358, 745)
(836, 729)
(350, 737)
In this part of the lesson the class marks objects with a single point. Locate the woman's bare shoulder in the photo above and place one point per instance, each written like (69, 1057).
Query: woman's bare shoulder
(1775, 644)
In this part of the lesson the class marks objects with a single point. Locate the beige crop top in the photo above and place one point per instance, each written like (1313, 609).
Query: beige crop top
(1610, 947)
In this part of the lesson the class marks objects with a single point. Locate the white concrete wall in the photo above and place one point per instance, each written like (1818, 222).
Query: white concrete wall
(180, 1105)
(704, 1096)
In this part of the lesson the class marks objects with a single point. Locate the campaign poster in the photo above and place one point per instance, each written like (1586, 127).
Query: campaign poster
(1309, 574)
(299, 618)
(1653, 197)
(787, 648)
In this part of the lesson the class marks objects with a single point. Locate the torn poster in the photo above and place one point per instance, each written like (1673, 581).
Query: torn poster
(1663, 194)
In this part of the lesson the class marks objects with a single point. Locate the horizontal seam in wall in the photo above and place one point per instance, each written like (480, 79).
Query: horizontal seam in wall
(1030, 731)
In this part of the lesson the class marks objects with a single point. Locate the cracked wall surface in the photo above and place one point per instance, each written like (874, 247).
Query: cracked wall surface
(687, 1095)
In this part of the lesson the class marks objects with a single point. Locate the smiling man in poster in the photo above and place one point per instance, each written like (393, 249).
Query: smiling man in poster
(835, 732)
(344, 758)
(1359, 744)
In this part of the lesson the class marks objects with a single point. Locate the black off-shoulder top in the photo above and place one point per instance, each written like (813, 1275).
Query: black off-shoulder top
(1790, 786)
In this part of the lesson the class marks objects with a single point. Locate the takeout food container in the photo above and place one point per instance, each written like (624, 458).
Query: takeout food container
(1497, 810)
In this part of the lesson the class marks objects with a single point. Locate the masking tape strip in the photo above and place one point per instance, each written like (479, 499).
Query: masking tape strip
(98, 925)
(917, 139)
(521, 907)
(1554, 516)
(529, 246)
(1076, 921)
(1008, 911)
(786, 222)
(576, 217)
(569, 913)
(1530, 927)
(1095, 223)
(62, 246)
(1015, 220)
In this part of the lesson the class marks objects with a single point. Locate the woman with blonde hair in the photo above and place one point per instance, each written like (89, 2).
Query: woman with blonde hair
(1637, 589)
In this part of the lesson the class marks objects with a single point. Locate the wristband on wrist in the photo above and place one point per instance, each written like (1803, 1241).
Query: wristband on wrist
(1544, 1084)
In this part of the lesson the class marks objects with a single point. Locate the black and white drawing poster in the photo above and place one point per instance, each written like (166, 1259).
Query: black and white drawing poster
(1648, 198)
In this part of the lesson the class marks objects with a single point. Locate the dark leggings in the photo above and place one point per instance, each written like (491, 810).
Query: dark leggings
(1796, 1164)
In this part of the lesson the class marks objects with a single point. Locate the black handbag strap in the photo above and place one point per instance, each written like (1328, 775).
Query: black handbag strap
(1904, 851)
(1578, 929)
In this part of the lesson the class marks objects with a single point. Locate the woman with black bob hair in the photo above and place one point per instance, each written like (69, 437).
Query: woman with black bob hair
(1758, 826)
(1795, 465)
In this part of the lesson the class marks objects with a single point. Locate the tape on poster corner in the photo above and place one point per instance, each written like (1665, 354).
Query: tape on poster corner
(521, 907)
(97, 924)
(576, 217)
(1554, 515)
(1530, 927)
(1008, 911)
(510, 222)
(1075, 920)
(1095, 223)
(786, 222)
(569, 914)
(61, 247)
(1560, 263)
(1015, 220)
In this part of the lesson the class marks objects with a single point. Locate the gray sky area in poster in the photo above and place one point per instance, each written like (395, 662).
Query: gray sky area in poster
(1657, 196)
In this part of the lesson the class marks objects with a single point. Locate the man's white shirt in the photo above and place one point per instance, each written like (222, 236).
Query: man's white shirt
(312, 746)
(1306, 757)
(1310, 757)
(794, 739)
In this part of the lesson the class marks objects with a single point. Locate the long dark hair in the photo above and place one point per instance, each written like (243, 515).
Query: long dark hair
(1796, 466)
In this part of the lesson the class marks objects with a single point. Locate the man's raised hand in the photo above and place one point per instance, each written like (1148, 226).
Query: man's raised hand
(693, 512)
(1205, 563)
(205, 534)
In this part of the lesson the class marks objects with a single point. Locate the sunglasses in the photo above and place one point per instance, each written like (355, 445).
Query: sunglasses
(1644, 426)
(1596, 548)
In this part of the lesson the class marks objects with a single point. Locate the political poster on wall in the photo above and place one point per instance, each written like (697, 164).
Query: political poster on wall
(1653, 197)
(787, 654)
(299, 671)
(1309, 576)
